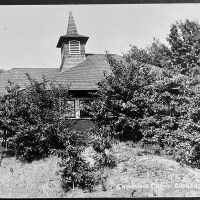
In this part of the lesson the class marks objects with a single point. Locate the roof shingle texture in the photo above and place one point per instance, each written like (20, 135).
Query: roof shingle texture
(87, 74)
(83, 76)
(18, 76)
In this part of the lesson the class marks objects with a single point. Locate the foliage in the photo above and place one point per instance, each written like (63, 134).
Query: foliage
(122, 99)
(75, 171)
(102, 143)
(184, 40)
(172, 122)
(142, 102)
(34, 118)
(156, 53)
(181, 55)
(103, 159)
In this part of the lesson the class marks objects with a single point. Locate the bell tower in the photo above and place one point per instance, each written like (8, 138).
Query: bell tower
(72, 46)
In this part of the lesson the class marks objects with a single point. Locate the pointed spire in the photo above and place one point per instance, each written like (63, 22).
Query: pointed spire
(71, 29)
(72, 33)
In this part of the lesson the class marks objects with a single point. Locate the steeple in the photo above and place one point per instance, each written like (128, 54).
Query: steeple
(72, 46)
(71, 29)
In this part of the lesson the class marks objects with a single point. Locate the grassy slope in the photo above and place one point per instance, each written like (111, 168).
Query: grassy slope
(38, 179)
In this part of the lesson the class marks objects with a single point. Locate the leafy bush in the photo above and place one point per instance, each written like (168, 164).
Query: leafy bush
(75, 171)
(105, 160)
(101, 144)
(34, 119)
(184, 147)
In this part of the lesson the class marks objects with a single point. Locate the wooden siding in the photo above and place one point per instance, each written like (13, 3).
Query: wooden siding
(68, 61)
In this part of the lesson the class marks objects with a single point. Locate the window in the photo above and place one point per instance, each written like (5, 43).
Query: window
(74, 47)
(71, 109)
(83, 112)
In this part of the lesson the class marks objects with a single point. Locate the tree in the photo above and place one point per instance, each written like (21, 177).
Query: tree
(180, 55)
(1, 71)
(157, 54)
(184, 40)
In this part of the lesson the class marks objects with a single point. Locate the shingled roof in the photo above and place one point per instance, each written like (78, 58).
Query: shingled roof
(85, 75)
(18, 76)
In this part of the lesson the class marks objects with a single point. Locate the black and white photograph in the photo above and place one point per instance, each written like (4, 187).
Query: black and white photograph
(100, 100)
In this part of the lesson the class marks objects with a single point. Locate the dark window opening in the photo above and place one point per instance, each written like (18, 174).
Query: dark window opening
(84, 113)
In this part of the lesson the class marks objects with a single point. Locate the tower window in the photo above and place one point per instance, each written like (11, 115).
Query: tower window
(74, 47)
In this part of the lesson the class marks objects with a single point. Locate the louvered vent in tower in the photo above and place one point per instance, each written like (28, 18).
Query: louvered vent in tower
(74, 47)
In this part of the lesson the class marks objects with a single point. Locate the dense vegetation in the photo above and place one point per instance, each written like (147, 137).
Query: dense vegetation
(34, 125)
(75, 171)
(153, 95)
(33, 119)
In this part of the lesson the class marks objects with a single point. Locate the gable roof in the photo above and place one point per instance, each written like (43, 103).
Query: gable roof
(18, 76)
(85, 75)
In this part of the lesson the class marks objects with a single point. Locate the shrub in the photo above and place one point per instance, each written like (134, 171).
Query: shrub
(34, 119)
(75, 171)
(101, 144)
(184, 147)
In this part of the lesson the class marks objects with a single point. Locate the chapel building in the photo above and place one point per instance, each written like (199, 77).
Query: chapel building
(80, 70)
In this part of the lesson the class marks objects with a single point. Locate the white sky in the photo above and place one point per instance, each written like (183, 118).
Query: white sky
(29, 34)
